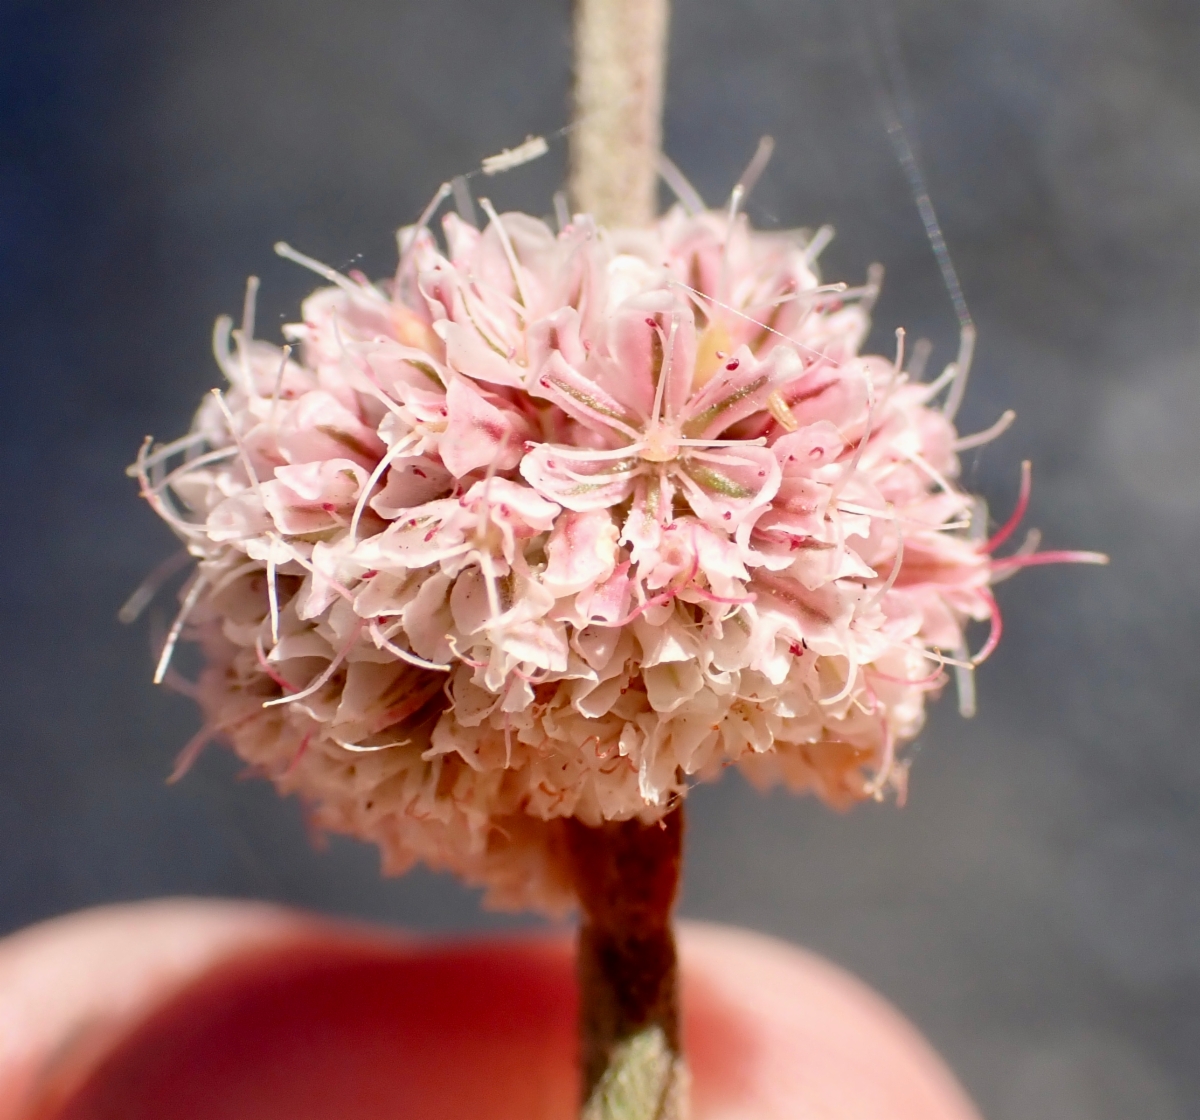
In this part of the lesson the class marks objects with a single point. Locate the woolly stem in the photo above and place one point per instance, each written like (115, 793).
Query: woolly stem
(626, 875)
(620, 58)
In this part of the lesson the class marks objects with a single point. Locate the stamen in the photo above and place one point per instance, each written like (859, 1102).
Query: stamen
(890, 582)
(144, 594)
(852, 465)
(272, 596)
(463, 202)
(283, 249)
(301, 751)
(308, 566)
(287, 353)
(988, 434)
(629, 451)
(920, 682)
(268, 668)
(402, 445)
(818, 244)
(235, 573)
(222, 330)
(913, 522)
(192, 465)
(997, 628)
(851, 679)
(246, 335)
(358, 748)
(941, 482)
(1062, 556)
(186, 758)
(664, 373)
(760, 441)
(840, 290)
(757, 165)
(507, 245)
(875, 787)
(936, 386)
(189, 602)
(683, 190)
(1009, 527)
(403, 654)
(964, 680)
(942, 659)
(562, 212)
(237, 439)
(408, 236)
(166, 451)
(962, 367)
(920, 356)
(322, 678)
(750, 319)
(873, 287)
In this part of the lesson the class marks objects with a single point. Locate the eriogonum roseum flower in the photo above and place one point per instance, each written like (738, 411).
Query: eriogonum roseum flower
(555, 525)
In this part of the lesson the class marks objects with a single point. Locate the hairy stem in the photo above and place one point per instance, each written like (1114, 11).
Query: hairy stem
(620, 59)
(626, 875)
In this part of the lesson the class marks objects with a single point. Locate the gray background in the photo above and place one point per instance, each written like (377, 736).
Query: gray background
(1036, 907)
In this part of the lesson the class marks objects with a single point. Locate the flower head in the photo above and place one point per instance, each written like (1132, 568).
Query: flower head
(553, 525)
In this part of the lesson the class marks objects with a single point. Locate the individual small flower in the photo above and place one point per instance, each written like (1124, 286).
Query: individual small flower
(552, 525)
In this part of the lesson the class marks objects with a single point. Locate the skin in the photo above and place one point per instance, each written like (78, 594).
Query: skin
(235, 1010)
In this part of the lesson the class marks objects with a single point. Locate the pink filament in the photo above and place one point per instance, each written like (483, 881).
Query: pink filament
(1010, 526)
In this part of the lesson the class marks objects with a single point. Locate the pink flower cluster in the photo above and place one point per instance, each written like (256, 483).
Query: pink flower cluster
(555, 525)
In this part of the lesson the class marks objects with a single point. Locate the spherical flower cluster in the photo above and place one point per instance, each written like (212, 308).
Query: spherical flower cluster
(555, 525)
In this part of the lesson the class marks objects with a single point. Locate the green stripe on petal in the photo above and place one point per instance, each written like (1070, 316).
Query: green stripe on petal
(718, 483)
(698, 424)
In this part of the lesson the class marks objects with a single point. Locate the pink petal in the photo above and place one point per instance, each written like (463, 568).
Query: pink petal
(832, 393)
(582, 398)
(725, 484)
(581, 552)
(468, 352)
(580, 484)
(739, 389)
(638, 334)
(313, 497)
(479, 433)
(817, 616)
(649, 512)
(319, 427)
(411, 482)
(556, 333)
(812, 447)
(609, 602)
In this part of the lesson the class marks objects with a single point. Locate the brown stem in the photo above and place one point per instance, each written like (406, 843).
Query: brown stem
(626, 875)
(620, 58)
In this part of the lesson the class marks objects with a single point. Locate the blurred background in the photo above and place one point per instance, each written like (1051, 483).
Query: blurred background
(1036, 906)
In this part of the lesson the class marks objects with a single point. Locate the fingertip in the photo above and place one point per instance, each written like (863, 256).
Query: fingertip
(235, 1010)
(771, 1027)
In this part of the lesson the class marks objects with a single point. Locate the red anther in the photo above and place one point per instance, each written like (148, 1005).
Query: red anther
(732, 364)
